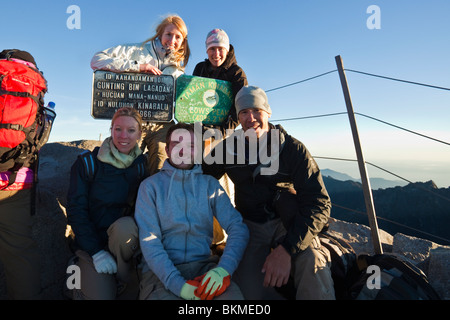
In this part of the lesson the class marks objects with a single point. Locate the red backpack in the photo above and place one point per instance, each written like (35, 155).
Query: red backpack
(22, 114)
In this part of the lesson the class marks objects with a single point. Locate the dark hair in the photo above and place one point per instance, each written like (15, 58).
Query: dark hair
(179, 125)
(17, 54)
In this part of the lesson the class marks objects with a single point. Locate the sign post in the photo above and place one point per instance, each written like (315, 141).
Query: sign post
(151, 95)
(361, 162)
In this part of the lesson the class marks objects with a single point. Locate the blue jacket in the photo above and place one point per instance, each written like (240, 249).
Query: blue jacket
(94, 203)
(174, 213)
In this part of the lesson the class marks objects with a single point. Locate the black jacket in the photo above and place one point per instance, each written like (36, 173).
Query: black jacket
(228, 71)
(93, 204)
(255, 194)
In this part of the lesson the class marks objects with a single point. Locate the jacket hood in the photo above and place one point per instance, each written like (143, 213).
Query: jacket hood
(231, 58)
(175, 173)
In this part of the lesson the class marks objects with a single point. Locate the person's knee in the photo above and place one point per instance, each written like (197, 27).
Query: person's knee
(312, 275)
(123, 227)
(123, 233)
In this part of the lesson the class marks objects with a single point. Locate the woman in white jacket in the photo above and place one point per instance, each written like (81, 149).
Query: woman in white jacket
(167, 52)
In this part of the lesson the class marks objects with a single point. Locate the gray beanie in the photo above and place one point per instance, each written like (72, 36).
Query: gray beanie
(217, 38)
(252, 97)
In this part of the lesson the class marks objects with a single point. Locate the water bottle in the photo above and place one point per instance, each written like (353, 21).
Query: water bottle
(50, 112)
(44, 130)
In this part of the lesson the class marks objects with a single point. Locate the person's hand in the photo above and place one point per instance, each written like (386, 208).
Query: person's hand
(277, 267)
(104, 262)
(148, 68)
(214, 283)
(189, 288)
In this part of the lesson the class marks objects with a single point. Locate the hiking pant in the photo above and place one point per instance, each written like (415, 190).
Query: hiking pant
(19, 252)
(153, 289)
(310, 269)
(219, 234)
(155, 141)
(123, 244)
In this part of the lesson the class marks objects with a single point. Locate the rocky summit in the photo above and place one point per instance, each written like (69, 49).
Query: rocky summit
(51, 231)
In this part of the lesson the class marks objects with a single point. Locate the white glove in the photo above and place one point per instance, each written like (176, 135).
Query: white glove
(104, 262)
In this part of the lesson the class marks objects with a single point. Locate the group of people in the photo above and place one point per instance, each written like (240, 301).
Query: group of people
(143, 222)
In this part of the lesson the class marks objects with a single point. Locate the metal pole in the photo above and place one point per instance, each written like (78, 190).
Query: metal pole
(361, 162)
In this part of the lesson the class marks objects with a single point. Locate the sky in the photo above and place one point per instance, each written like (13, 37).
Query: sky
(277, 43)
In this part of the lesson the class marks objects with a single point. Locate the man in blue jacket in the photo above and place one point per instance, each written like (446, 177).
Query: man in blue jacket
(174, 213)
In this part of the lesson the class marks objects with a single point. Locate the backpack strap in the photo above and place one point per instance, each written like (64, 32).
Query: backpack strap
(90, 165)
(138, 167)
(141, 166)
(20, 94)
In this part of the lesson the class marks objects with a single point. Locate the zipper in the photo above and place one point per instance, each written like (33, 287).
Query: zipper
(186, 215)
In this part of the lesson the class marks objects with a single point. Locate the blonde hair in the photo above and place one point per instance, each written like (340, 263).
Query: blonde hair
(129, 112)
(183, 54)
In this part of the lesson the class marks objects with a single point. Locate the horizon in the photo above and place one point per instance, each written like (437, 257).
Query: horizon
(400, 40)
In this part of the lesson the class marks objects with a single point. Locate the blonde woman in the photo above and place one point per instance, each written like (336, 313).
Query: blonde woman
(167, 52)
(100, 208)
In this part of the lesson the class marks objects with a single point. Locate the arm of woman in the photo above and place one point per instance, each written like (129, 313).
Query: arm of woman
(150, 239)
(121, 58)
(78, 210)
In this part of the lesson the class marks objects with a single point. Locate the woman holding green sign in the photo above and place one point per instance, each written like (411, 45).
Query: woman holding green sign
(222, 65)
(167, 52)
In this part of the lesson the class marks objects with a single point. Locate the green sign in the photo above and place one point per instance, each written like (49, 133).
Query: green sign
(203, 100)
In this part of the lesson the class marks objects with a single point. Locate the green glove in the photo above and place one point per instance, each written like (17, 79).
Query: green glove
(188, 289)
(214, 283)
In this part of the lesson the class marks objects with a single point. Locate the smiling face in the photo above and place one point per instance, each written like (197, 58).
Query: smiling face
(181, 149)
(172, 38)
(217, 56)
(125, 133)
(256, 119)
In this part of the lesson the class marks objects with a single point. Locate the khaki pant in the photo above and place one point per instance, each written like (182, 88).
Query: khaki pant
(155, 142)
(123, 244)
(18, 251)
(220, 236)
(310, 269)
(153, 289)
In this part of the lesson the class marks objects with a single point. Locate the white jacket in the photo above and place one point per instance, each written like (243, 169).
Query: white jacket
(128, 58)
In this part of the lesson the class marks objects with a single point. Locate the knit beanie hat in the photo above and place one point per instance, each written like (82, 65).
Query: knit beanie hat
(217, 38)
(252, 97)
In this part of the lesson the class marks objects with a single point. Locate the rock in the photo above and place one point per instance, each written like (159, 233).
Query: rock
(433, 259)
(438, 273)
(55, 162)
(359, 236)
(413, 248)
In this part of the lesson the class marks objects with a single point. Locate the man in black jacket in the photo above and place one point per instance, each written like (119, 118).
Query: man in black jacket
(281, 195)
